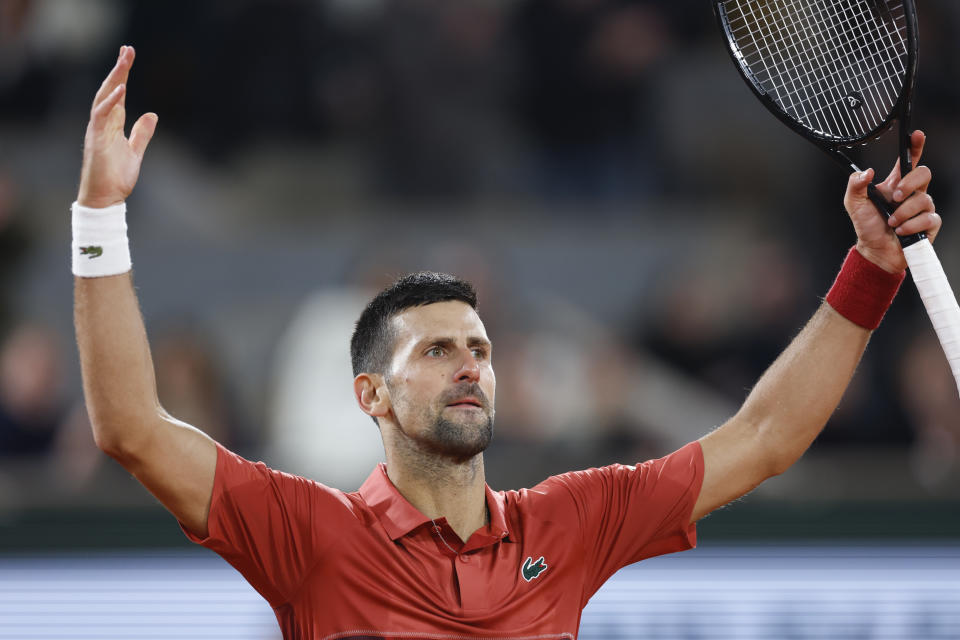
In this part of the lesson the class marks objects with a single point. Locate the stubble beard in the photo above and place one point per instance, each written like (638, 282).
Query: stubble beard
(456, 440)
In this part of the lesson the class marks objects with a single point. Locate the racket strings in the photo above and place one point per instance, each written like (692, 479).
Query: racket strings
(802, 45)
(846, 71)
(837, 67)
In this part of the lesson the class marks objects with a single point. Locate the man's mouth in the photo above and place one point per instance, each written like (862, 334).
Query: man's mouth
(466, 402)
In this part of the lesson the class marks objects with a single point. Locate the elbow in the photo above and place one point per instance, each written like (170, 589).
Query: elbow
(109, 440)
(773, 460)
(771, 455)
(106, 442)
(118, 437)
(782, 450)
(777, 465)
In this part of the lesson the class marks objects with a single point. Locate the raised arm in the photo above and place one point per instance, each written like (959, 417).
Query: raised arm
(794, 398)
(173, 460)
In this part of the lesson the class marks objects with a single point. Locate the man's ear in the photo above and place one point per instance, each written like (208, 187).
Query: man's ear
(372, 394)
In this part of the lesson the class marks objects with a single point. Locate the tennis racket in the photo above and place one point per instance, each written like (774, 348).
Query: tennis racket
(839, 72)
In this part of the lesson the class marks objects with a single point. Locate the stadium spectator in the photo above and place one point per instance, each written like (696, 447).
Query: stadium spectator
(927, 388)
(190, 381)
(584, 95)
(32, 390)
(442, 91)
(15, 244)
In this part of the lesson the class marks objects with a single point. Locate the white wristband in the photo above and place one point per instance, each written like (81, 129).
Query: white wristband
(100, 246)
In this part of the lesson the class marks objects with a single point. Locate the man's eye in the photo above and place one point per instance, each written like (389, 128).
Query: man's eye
(479, 354)
(435, 352)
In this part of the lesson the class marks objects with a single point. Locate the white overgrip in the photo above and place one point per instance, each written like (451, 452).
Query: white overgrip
(938, 299)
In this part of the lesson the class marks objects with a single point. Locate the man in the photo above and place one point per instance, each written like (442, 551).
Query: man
(425, 549)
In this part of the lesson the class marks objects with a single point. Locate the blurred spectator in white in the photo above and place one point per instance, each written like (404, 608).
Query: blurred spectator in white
(546, 372)
(315, 428)
(566, 389)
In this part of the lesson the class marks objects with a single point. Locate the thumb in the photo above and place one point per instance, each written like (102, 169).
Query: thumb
(142, 132)
(857, 189)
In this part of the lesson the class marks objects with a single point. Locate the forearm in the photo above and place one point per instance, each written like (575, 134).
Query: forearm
(793, 400)
(118, 378)
(795, 397)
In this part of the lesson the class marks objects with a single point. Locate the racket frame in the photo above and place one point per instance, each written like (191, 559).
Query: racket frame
(925, 268)
(835, 146)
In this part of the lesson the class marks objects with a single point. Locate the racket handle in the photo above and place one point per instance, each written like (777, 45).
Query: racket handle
(938, 299)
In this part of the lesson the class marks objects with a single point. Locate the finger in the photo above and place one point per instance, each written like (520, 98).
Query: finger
(142, 132)
(892, 178)
(858, 183)
(918, 140)
(916, 180)
(117, 76)
(102, 111)
(928, 222)
(935, 231)
(129, 56)
(913, 206)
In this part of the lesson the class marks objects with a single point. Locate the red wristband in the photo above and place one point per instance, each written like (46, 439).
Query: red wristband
(862, 292)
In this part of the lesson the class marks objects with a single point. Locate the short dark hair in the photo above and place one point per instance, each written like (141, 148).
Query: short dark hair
(371, 346)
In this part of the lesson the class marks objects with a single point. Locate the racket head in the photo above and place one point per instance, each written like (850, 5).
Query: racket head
(838, 72)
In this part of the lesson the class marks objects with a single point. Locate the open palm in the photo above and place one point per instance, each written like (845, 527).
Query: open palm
(111, 162)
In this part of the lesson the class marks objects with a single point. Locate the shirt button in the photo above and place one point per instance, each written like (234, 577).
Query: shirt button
(465, 558)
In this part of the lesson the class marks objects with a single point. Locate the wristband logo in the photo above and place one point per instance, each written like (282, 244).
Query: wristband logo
(91, 252)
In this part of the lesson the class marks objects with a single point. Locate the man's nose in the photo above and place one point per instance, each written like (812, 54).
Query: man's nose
(469, 370)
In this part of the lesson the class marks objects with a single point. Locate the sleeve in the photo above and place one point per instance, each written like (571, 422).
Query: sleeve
(628, 513)
(264, 523)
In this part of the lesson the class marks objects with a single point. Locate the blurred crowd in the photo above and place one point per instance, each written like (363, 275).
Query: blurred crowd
(644, 238)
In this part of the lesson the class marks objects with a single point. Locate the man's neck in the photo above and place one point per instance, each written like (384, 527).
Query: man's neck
(443, 488)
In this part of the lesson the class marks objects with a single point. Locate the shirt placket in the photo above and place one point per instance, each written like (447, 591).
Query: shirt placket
(468, 564)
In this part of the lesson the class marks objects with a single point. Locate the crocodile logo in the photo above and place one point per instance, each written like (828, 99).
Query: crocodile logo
(531, 569)
(92, 251)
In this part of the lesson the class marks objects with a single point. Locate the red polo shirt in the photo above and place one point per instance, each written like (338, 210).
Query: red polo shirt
(368, 564)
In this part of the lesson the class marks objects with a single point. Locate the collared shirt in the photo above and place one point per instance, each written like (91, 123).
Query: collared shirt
(368, 564)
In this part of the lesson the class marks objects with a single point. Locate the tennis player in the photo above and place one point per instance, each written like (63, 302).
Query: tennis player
(425, 549)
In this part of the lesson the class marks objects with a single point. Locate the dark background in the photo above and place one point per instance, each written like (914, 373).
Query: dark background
(644, 236)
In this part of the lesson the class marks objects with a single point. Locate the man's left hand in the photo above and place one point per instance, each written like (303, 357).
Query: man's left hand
(876, 235)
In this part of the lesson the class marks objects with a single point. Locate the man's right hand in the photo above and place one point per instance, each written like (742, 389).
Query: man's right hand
(111, 162)
(173, 460)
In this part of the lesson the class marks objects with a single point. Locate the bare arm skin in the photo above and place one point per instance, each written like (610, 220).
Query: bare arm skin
(795, 397)
(785, 411)
(173, 460)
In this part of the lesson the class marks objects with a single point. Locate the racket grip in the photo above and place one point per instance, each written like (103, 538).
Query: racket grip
(938, 299)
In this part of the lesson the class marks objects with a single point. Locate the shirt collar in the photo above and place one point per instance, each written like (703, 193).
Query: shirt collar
(399, 517)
